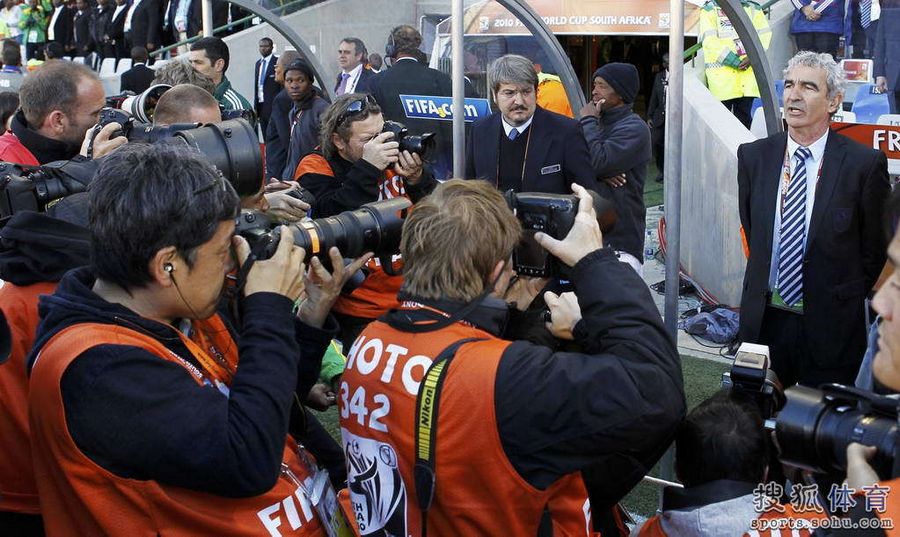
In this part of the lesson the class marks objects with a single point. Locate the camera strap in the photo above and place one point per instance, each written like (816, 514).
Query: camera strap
(427, 401)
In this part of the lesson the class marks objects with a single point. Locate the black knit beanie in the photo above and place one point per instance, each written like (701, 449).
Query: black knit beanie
(623, 77)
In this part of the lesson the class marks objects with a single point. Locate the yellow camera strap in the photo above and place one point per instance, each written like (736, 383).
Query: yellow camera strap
(427, 401)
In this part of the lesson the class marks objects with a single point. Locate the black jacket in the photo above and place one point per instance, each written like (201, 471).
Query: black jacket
(137, 79)
(409, 77)
(270, 90)
(656, 108)
(353, 185)
(116, 28)
(620, 143)
(126, 408)
(146, 24)
(845, 244)
(613, 408)
(84, 41)
(278, 135)
(100, 24)
(35, 247)
(63, 29)
(557, 155)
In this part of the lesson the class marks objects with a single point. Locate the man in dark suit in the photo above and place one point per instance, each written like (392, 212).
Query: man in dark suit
(524, 147)
(408, 76)
(355, 76)
(195, 16)
(810, 204)
(84, 43)
(100, 21)
(116, 29)
(139, 77)
(146, 25)
(887, 61)
(656, 116)
(266, 87)
(60, 28)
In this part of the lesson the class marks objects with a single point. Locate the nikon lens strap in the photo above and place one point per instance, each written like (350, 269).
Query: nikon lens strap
(426, 427)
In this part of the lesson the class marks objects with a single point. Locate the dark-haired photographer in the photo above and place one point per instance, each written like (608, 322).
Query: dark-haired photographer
(721, 458)
(142, 422)
(60, 102)
(358, 163)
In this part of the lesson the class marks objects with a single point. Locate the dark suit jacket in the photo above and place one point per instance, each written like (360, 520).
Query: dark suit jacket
(137, 79)
(270, 89)
(146, 24)
(100, 20)
(84, 42)
(195, 16)
(887, 43)
(63, 31)
(116, 28)
(363, 85)
(846, 244)
(557, 147)
(656, 108)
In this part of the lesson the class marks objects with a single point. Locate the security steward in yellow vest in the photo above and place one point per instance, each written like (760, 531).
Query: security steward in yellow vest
(728, 73)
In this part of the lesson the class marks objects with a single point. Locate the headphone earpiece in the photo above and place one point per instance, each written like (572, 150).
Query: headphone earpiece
(390, 48)
(169, 267)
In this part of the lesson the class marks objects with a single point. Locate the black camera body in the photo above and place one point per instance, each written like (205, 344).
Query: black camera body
(374, 227)
(33, 188)
(231, 146)
(751, 377)
(553, 214)
(815, 427)
(420, 144)
(136, 131)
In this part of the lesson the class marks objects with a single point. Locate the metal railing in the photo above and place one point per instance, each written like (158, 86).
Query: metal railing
(283, 9)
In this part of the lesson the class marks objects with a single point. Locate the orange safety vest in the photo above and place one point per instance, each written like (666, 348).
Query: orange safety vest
(892, 511)
(79, 497)
(18, 490)
(477, 490)
(378, 293)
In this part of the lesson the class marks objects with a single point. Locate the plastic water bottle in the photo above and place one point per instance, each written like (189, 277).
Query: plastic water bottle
(648, 245)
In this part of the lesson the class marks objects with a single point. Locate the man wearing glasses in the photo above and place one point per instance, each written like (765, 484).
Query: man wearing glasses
(356, 164)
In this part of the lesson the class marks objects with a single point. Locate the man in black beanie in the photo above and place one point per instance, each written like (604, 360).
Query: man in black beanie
(304, 117)
(619, 143)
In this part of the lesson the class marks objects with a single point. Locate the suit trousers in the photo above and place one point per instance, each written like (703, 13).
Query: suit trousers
(785, 333)
(818, 42)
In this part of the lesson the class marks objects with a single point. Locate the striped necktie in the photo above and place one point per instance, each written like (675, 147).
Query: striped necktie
(793, 232)
(865, 13)
(513, 134)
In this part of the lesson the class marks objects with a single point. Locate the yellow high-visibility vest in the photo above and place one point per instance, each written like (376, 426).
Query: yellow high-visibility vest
(723, 51)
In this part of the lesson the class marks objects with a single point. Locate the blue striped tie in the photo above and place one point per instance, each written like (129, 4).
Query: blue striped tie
(793, 231)
(865, 13)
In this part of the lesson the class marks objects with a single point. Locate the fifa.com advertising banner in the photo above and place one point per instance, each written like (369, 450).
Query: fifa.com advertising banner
(650, 17)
